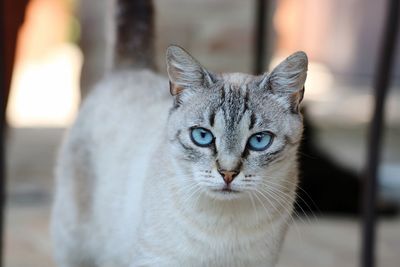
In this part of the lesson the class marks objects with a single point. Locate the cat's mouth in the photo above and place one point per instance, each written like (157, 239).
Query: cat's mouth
(225, 193)
(226, 190)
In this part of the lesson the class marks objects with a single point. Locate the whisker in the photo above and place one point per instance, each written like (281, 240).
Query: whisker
(268, 216)
(283, 200)
(307, 195)
(254, 206)
(190, 194)
(305, 192)
(287, 211)
(274, 185)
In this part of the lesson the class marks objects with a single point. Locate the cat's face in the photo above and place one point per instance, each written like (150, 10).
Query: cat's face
(231, 134)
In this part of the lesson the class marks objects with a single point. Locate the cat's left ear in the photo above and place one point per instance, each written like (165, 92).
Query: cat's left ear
(288, 78)
(184, 71)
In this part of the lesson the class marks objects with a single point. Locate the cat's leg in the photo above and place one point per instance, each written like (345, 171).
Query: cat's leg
(71, 214)
(75, 263)
(69, 252)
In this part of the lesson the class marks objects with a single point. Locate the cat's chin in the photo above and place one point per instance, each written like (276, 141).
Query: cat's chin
(224, 194)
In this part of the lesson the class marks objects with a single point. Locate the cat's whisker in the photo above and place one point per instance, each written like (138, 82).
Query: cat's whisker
(274, 186)
(196, 193)
(190, 192)
(305, 192)
(182, 189)
(281, 200)
(278, 193)
(251, 194)
(254, 206)
(199, 193)
(269, 201)
(279, 212)
(287, 211)
(266, 211)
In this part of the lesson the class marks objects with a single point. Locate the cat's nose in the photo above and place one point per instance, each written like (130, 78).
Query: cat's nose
(228, 176)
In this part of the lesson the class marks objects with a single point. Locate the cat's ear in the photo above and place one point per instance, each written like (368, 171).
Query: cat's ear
(184, 71)
(288, 78)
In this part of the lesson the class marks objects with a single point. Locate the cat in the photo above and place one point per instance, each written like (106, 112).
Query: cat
(194, 169)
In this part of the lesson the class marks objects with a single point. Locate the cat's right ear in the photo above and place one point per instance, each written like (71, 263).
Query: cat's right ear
(184, 71)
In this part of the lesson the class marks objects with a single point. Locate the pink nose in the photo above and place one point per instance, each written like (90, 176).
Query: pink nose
(228, 176)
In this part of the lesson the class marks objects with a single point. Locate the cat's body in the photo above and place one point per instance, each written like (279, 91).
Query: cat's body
(102, 166)
(140, 184)
(114, 192)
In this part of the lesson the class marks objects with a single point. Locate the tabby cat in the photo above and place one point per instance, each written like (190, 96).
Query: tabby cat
(194, 169)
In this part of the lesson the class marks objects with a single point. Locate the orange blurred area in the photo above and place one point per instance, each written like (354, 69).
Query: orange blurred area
(44, 89)
(45, 27)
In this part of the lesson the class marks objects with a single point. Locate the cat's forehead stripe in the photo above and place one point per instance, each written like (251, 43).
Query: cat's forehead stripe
(234, 102)
(233, 106)
(252, 120)
(211, 117)
(237, 79)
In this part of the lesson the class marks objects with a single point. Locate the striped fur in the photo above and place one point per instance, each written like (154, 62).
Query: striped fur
(134, 44)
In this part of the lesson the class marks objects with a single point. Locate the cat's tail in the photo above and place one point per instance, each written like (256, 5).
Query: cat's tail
(134, 34)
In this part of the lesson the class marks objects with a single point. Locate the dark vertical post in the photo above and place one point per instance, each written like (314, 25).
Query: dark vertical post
(3, 101)
(260, 36)
(381, 84)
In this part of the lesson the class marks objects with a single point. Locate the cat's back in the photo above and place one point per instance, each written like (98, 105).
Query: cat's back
(124, 103)
(103, 159)
(125, 91)
(122, 116)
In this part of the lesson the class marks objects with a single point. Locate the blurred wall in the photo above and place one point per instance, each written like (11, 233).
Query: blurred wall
(343, 34)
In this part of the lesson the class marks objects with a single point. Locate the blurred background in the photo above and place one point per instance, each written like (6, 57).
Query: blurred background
(341, 38)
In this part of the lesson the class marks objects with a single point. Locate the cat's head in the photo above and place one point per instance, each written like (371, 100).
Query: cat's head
(232, 133)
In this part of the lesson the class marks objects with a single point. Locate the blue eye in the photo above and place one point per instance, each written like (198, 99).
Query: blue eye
(202, 137)
(260, 141)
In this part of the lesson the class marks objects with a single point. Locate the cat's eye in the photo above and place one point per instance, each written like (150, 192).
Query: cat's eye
(201, 137)
(260, 141)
